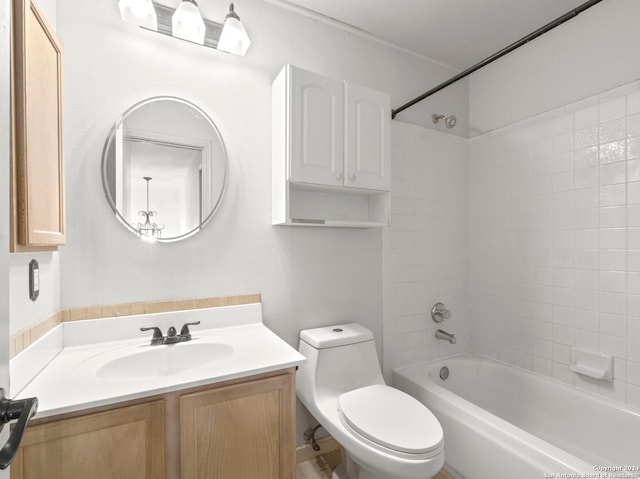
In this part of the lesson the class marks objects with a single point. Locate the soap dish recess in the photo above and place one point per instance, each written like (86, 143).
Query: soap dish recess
(594, 365)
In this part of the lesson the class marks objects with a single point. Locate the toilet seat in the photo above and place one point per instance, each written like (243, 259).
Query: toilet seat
(391, 418)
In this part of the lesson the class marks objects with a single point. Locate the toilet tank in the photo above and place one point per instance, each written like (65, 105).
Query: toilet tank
(340, 358)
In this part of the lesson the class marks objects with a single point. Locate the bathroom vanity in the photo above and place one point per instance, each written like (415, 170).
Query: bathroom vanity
(240, 428)
(123, 408)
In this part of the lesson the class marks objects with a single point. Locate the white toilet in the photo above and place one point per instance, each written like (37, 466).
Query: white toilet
(385, 433)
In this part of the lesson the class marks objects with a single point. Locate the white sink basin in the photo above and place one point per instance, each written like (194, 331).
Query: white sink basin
(164, 360)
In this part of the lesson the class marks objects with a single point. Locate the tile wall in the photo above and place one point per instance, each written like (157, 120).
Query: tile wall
(426, 248)
(555, 240)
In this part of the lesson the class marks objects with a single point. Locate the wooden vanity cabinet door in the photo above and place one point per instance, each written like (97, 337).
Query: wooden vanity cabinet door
(37, 183)
(241, 431)
(123, 443)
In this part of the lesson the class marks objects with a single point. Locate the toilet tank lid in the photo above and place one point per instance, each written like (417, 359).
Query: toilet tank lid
(338, 335)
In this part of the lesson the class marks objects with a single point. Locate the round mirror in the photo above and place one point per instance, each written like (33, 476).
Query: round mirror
(164, 169)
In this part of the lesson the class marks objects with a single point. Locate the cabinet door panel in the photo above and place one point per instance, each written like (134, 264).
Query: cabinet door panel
(37, 84)
(368, 149)
(126, 442)
(316, 129)
(243, 431)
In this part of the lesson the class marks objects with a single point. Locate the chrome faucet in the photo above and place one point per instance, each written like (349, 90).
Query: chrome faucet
(441, 334)
(172, 336)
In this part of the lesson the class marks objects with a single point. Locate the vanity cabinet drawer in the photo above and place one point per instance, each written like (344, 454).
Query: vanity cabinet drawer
(125, 442)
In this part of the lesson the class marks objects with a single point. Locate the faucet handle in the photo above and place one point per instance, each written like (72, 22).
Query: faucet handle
(185, 334)
(439, 313)
(157, 334)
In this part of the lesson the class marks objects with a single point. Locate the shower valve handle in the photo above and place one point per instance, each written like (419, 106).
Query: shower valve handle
(439, 313)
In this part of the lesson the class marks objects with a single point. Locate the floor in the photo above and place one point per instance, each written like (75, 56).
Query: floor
(321, 467)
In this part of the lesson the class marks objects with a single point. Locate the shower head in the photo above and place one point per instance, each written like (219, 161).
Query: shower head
(449, 121)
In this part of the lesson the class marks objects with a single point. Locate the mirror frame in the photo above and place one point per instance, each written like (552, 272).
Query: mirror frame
(107, 145)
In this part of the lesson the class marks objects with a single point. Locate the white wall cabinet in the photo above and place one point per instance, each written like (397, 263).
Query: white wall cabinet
(316, 123)
(331, 152)
(367, 138)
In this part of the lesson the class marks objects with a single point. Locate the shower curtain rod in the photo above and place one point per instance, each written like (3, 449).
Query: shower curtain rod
(540, 31)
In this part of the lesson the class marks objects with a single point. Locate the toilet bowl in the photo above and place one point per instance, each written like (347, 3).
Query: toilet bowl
(384, 432)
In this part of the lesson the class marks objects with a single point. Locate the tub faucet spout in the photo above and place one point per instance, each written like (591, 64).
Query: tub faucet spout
(440, 334)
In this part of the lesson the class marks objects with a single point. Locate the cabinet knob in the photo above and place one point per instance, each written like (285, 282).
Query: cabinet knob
(352, 177)
(339, 175)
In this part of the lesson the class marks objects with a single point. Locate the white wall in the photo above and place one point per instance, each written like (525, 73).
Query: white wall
(48, 8)
(5, 23)
(591, 53)
(426, 248)
(24, 311)
(4, 201)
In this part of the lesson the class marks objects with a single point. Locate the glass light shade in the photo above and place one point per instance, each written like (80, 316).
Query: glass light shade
(187, 22)
(139, 12)
(234, 38)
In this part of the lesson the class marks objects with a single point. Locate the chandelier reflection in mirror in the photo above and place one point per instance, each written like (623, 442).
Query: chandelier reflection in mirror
(149, 229)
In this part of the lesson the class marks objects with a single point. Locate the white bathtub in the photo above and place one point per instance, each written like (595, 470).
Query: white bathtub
(502, 422)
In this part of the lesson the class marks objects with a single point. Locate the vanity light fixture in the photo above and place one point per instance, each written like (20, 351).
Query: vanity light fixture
(149, 230)
(234, 38)
(139, 12)
(186, 23)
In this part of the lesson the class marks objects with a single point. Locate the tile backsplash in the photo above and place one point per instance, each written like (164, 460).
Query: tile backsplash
(555, 240)
(24, 338)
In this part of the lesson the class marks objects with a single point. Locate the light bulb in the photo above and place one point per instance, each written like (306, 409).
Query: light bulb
(187, 22)
(139, 12)
(234, 38)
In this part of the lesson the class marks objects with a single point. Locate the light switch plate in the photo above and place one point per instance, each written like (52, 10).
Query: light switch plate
(34, 280)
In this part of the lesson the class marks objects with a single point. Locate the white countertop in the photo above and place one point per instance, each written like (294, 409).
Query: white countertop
(72, 378)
